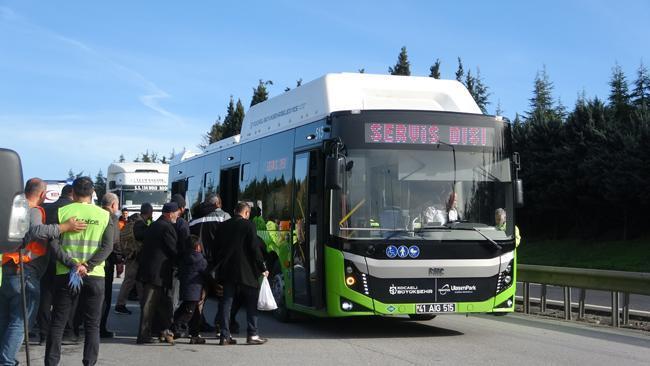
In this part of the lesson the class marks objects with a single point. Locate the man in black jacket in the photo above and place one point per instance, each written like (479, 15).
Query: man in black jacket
(155, 271)
(242, 264)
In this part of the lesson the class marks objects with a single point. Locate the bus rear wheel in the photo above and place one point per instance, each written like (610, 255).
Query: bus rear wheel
(421, 317)
(276, 280)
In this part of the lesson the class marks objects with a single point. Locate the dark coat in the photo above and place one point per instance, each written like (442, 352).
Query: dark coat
(156, 260)
(190, 275)
(183, 241)
(240, 257)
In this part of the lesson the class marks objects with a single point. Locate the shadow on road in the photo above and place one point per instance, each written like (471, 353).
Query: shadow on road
(358, 327)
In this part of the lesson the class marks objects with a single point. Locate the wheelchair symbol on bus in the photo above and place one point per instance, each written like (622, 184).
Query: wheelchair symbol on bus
(391, 251)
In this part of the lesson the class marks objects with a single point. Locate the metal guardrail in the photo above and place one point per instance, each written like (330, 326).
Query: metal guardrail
(616, 282)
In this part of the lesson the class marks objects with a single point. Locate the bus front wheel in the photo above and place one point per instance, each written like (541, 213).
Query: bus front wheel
(421, 317)
(276, 280)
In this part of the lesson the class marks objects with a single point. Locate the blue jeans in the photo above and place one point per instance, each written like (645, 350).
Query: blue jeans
(12, 330)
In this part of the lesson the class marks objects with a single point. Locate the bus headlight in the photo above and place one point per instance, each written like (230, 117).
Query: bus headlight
(350, 281)
(505, 277)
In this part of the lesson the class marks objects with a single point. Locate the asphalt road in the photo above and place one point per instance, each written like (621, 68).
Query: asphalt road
(453, 339)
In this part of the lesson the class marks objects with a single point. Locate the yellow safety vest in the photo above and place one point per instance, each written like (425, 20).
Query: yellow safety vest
(82, 245)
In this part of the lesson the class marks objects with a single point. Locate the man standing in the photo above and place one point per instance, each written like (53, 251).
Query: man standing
(160, 251)
(131, 238)
(183, 244)
(110, 203)
(44, 315)
(242, 264)
(35, 260)
(80, 254)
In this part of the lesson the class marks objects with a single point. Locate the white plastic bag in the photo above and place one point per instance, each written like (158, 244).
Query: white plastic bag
(266, 301)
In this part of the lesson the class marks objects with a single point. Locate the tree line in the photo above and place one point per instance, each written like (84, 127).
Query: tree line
(586, 169)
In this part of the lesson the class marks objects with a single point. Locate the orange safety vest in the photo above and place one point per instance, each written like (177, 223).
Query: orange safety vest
(33, 249)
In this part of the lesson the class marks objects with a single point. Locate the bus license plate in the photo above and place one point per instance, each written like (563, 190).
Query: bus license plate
(435, 308)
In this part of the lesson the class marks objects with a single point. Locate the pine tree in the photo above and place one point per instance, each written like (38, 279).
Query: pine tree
(481, 93)
(499, 111)
(121, 160)
(619, 96)
(403, 66)
(541, 104)
(641, 92)
(260, 93)
(146, 158)
(469, 83)
(215, 134)
(100, 184)
(460, 72)
(362, 71)
(435, 69)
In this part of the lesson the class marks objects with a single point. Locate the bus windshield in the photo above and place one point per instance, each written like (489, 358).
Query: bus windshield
(156, 198)
(425, 193)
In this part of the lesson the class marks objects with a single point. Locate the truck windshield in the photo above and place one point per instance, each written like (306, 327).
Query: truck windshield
(156, 198)
(424, 192)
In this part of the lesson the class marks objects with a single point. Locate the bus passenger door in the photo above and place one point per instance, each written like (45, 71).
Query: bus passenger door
(307, 262)
(229, 189)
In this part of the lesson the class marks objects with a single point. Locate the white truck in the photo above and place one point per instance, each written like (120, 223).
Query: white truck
(137, 183)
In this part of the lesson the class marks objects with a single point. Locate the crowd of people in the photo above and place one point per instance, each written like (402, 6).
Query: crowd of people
(74, 250)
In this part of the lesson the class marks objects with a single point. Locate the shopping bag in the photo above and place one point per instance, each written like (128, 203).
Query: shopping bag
(266, 301)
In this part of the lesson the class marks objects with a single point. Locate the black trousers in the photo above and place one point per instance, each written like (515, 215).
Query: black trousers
(44, 315)
(109, 271)
(248, 296)
(90, 298)
(187, 318)
(157, 310)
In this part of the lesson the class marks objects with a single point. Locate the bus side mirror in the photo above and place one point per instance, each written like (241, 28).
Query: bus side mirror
(14, 220)
(334, 168)
(519, 193)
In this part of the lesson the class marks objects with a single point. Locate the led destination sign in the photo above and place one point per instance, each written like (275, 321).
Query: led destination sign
(402, 133)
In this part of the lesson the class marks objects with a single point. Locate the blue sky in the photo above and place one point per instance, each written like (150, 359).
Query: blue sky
(83, 82)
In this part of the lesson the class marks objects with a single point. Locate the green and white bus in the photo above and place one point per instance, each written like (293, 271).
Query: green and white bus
(374, 194)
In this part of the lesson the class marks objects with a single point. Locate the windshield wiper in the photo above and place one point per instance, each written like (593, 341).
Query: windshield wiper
(474, 228)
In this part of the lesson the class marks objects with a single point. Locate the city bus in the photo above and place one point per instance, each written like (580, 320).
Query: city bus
(137, 183)
(374, 195)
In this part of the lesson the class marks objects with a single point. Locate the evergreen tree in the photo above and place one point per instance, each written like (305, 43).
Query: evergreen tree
(260, 93)
(403, 66)
(362, 71)
(481, 93)
(641, 92)
(460, 72)
(146, 158)
(100, 185)
(435, 69)
(499, 111)
(215, 134)
(619, 96)
(121, 160)
(469, 83)
(541, 104)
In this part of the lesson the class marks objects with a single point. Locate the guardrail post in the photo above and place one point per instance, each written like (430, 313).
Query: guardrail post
(615, 310)
(581, 304)
(542, 299)
(567, 303)
(626, 308)
(526, 298)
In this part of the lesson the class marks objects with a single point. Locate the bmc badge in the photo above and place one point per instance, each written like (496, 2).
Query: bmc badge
(435, 272)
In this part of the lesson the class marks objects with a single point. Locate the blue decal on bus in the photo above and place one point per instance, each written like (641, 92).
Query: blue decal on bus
(391, 251)
(414, 251)
(403, 251)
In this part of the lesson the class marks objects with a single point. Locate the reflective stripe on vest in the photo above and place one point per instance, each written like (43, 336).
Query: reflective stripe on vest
(33, 249)
(82, 245)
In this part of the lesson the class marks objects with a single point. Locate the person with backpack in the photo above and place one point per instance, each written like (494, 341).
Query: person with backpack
(131, 238)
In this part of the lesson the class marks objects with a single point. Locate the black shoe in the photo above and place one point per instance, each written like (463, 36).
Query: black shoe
(227, 341)
(146, 340)
(255, 340)
(197, 340)
(122, 310)
(106, 334)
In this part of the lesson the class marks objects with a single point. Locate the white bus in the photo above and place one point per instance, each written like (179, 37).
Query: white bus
(137, 183)
(377, 195)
